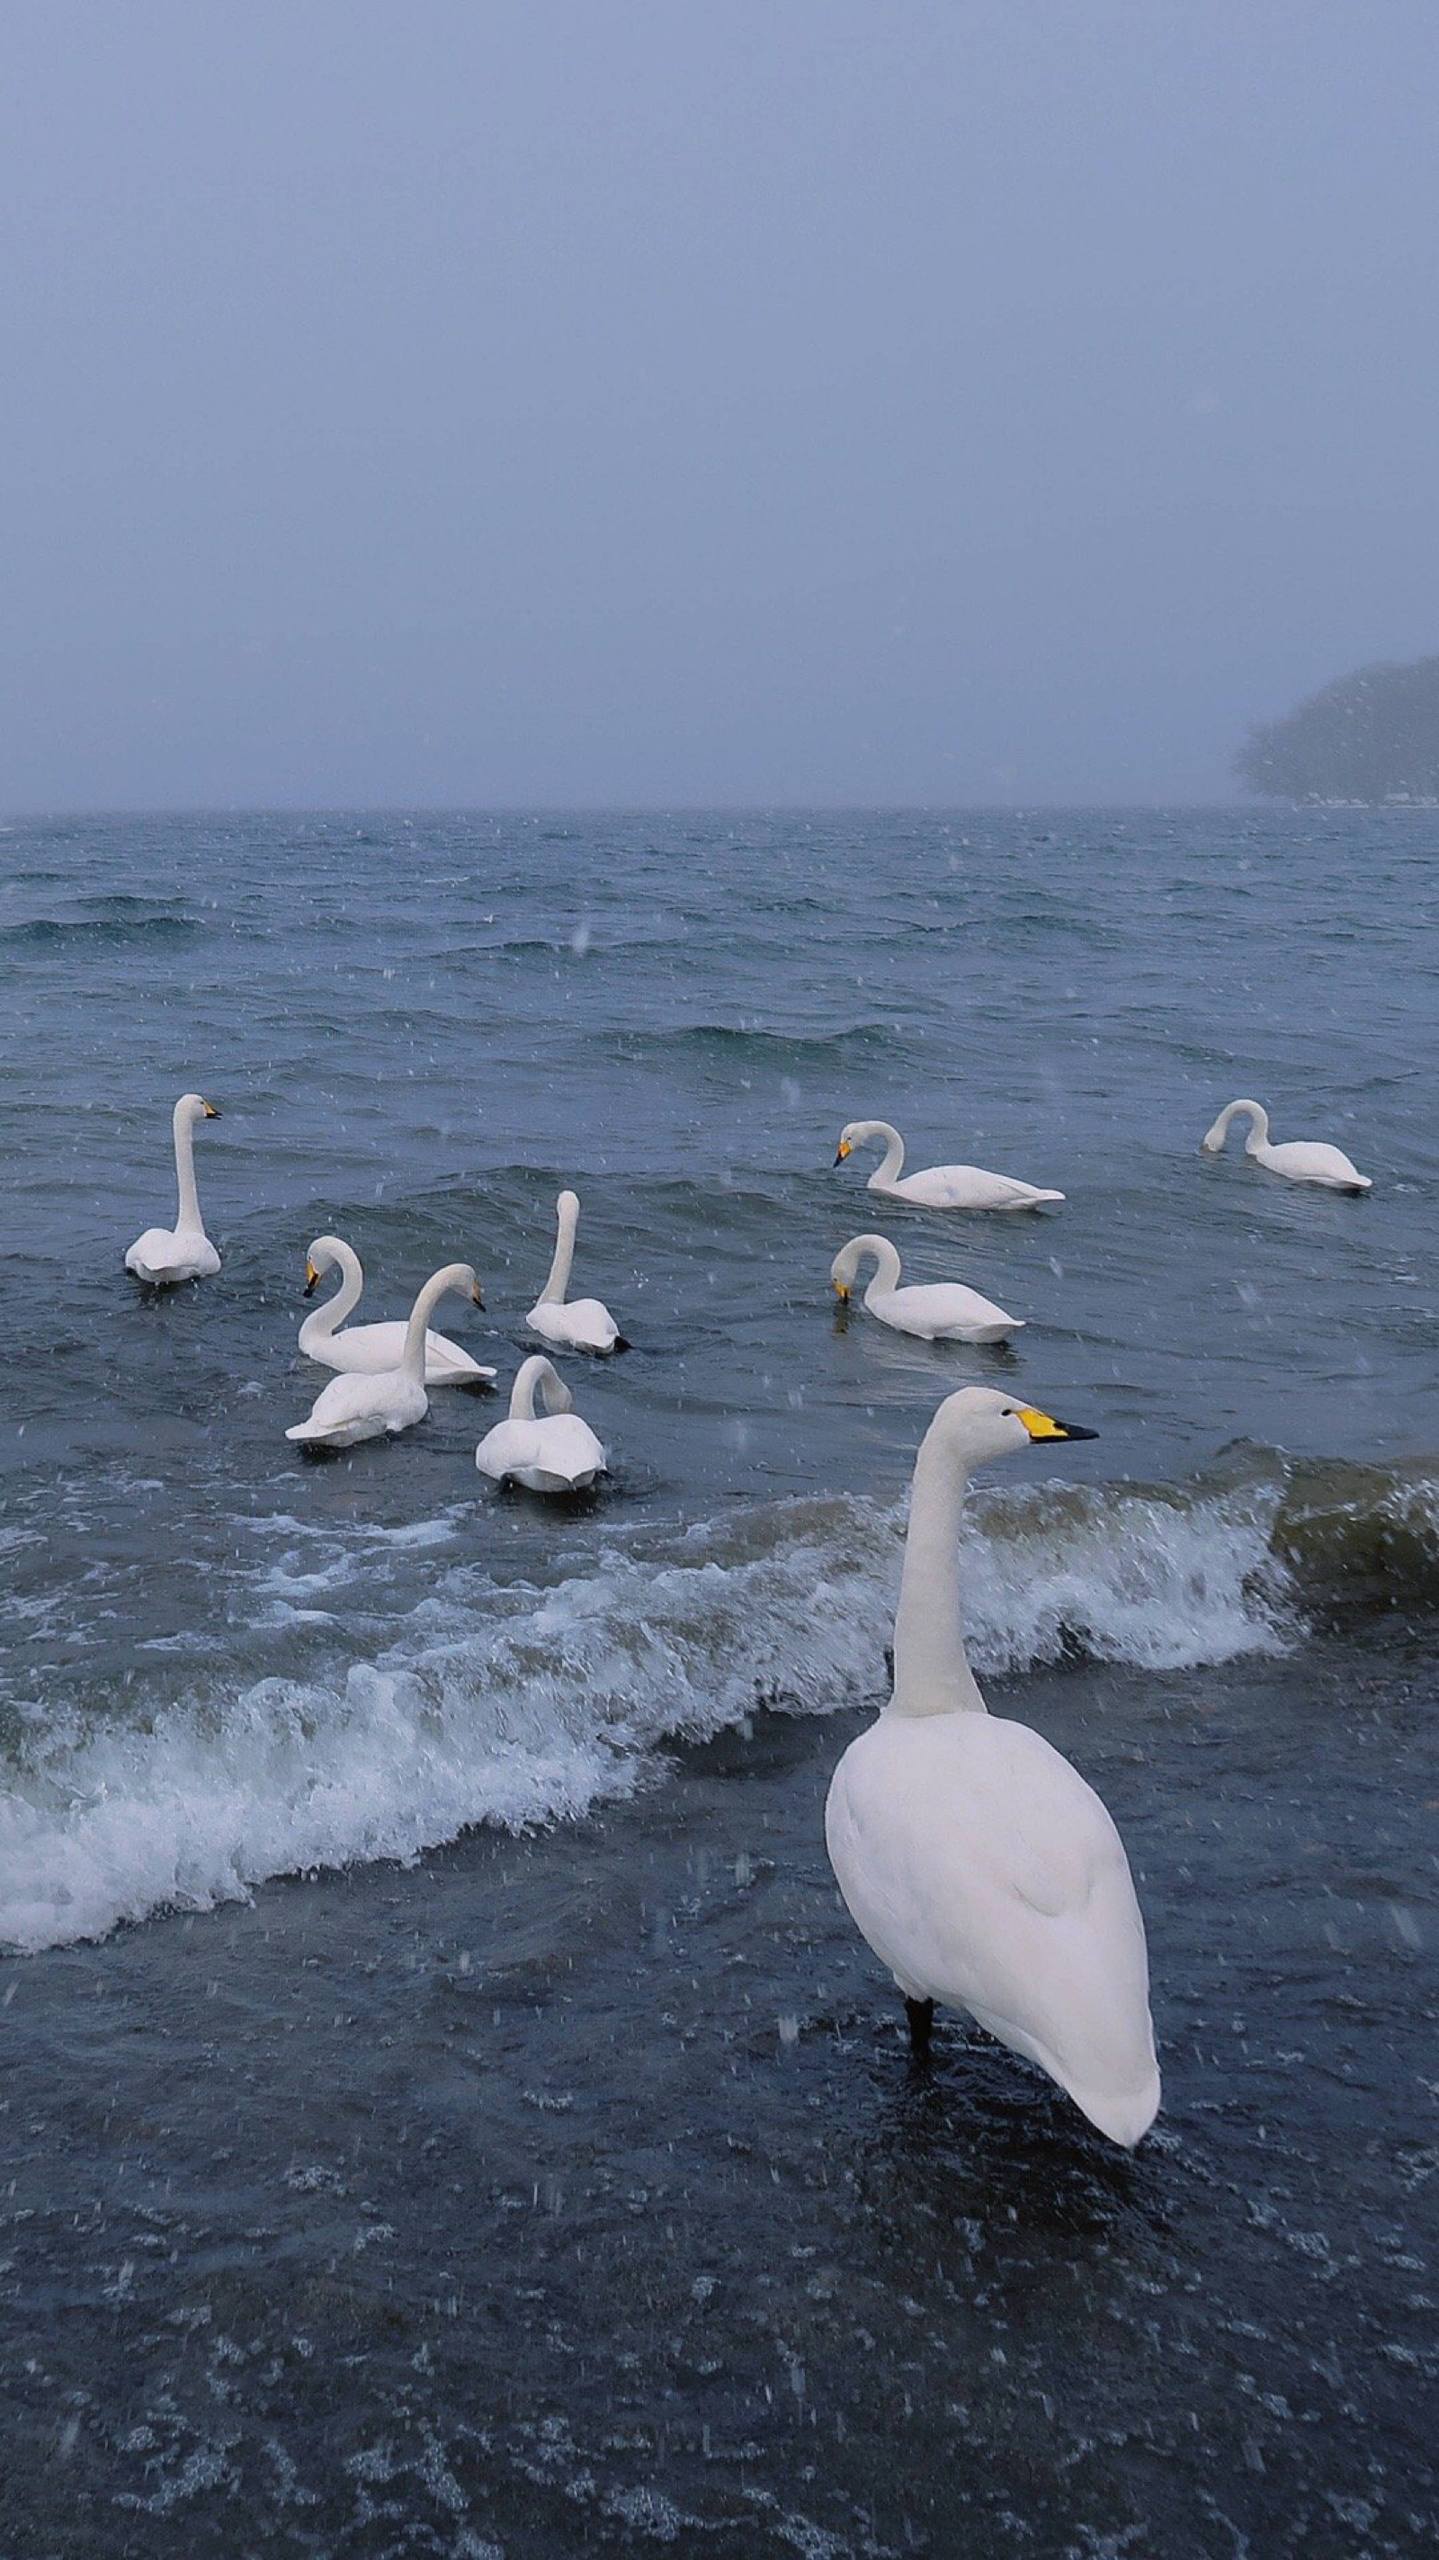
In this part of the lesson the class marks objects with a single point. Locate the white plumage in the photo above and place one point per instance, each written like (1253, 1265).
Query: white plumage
(1297, 1159)
(373, 1403)
(977, 1863)
(555, 1452)
(165, 1255)
(582, 1324)
(368, 1347)
(935, 1311)
(942, 1186)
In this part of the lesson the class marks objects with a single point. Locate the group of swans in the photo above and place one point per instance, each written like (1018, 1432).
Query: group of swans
(385, 1371)
(978, 1865)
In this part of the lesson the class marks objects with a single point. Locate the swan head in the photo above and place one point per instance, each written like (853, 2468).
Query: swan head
(327, 1253)
(979, 1423)
(193, 1106)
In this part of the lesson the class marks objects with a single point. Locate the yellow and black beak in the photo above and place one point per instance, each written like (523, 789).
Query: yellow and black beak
(312, 1280)
(478, 1295)
(1042, 1426)
(842, 1293)
(842, 1150)
(211, 1111)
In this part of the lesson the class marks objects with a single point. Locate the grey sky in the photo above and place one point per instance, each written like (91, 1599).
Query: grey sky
(704, 400)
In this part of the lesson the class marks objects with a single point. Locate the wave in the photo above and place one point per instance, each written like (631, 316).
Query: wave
(727, 1042)
(105, 932)
(521, 1706)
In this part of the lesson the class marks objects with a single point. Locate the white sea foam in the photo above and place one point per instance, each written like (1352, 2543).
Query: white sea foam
(521, 1706)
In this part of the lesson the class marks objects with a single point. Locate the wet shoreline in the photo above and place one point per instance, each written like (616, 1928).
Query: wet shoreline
(576, 2192)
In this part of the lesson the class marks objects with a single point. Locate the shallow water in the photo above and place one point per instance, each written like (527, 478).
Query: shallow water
(317, 2193)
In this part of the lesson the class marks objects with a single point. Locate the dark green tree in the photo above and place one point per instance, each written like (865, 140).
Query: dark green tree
(1371, 736)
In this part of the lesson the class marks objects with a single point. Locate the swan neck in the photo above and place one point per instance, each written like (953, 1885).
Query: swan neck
(327, 1318)
(885, 1275)
(553, 1292)
(189, 1198)
(412, 1359)
(932, 1676)
(1255, 1114)
(538, 1376)
(893, 1165)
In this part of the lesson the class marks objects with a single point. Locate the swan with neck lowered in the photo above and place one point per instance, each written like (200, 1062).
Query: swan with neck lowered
(367, 1404)
(553, 1452)
(165, 1255)
(943, 1311)
(371, 1346)
(1298, 1159)
(942, 1186)
(579, 1324)
(974, 1859)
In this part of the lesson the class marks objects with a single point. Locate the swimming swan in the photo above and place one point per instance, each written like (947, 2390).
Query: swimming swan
(371, 1346)
(556, 1453)
(585, 1324)
(163, 1255)
(975, 1861)
(944, 1186)
(944, 1311)
(1298, 1159)
(371, 1402)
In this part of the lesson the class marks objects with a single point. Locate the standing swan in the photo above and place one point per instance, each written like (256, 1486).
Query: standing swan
(945, 1311)
(371, 1346)
(944, 1186)
(976, 1862)
(585, 1324)
(1298, 1159)
(371, 1402)
(163, 1255)
(556, 1453)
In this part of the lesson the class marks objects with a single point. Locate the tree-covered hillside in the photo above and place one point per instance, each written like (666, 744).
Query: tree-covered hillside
(1372, 736)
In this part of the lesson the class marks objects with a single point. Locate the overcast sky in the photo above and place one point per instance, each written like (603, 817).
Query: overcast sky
(501, 401)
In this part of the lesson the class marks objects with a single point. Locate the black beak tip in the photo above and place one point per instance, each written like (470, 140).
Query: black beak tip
(839, 1155)
(310, 1287)
(1078, 1431)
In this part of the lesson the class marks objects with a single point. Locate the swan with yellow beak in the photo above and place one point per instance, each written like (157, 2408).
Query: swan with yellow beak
(981, 1868)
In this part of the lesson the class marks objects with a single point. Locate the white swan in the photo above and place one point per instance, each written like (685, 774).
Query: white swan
(944, 1186)
(370, 1402)
(553, 1453)
(163, 1255)
(1298, 1159)
(976, 1862)
(585, 1324)
(944, 1311)
(371, 1346)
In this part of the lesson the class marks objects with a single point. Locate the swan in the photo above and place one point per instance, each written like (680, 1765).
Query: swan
(942, 1312)
(163, 1255)
(1298, 1159)
(371, 1346)
(556, 1453)
(585, 1324)
(944, 1186)
(974, 1860)
(370, 1402)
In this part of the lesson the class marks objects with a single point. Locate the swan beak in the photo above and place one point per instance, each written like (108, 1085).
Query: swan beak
(842, 1150)
(312, 1280)
(211, 1113)
(1042, 1426)
(842, 1293)
(478, 1295)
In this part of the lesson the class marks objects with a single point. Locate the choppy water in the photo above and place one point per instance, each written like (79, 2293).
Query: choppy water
(227, 1663)
(570, 2191)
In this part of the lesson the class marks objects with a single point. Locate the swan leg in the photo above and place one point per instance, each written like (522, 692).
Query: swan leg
(920, 2017)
